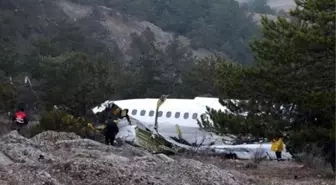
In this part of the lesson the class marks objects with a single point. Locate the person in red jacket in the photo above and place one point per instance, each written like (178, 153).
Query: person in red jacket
(20, 118)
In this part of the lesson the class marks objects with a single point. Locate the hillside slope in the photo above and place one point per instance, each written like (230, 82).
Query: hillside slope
(59, 158)
(285, 5)
(98, 24)
(120, 26)
(64, 158)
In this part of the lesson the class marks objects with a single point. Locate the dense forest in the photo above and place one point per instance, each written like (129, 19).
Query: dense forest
(284, 69)
(39, 41)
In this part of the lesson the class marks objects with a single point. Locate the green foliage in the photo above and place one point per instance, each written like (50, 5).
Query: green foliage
(74, 70)
(28, 36)
(8, 95)
(199, 78)
(260, 6)
(78, 81)
(8, 68)
(59, 121)
(9, 60)
(232, 79)
(45, 45)
(290, 89)
(256, 123)
(178, 60)
(163, 69)
(147, 65)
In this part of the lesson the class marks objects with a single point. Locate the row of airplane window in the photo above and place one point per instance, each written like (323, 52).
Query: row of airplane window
(168, 114)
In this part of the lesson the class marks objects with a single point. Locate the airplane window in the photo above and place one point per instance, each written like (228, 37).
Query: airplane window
(177, 114)
(186, 115)
(159, 113)
(134, 111)
(143, 112)
(151, 113)
(168, 114)
(194, 116)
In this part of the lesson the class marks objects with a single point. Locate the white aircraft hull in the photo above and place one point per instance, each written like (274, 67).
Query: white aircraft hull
(243, 151)
(189, 127)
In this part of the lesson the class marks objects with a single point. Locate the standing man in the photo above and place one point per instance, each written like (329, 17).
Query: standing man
(329, 152)
(114, 114)
(111, 129)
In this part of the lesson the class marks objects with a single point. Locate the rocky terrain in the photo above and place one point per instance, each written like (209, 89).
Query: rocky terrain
(64, 158)
(119, 26)
(102, 24)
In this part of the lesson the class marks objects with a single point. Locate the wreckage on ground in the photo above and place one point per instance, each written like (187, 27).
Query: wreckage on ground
(155, 128)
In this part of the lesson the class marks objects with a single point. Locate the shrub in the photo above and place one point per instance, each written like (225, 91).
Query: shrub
(60, 121)
(313, 158)
(4, 127)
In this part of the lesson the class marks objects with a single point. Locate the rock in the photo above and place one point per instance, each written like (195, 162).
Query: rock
(117, 158)
(65, 159)
(251, 165)
(52, 136)
(4, 160)
(47, 179)
(165, 158)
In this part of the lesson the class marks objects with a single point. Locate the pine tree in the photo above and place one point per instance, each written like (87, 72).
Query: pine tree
(77, 81)
(290, 89)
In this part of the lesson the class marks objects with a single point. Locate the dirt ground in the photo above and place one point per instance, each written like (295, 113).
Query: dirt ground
(276, 172)
(287, 172)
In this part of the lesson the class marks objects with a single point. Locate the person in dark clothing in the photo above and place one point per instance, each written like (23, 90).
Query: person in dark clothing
(111, 129)
(20, 119)
(329, 152)
(114, 113)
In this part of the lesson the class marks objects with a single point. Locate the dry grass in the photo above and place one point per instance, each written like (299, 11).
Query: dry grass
(315, 161)
(258, 156)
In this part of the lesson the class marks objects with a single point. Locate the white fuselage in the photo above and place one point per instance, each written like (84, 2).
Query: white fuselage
(184, 112)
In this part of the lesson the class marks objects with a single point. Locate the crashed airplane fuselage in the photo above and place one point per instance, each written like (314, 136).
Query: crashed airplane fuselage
(183, 114)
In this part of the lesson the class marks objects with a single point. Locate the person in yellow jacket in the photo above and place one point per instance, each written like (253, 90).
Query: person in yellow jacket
(277, 147)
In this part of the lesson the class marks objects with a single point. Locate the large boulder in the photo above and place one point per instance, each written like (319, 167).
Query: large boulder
(65, 159)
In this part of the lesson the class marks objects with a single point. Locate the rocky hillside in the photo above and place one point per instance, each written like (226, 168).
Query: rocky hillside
(64, 158)
(106, 26)
(99, 23)
(285, 5)
(59, 158)
(120, 26)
